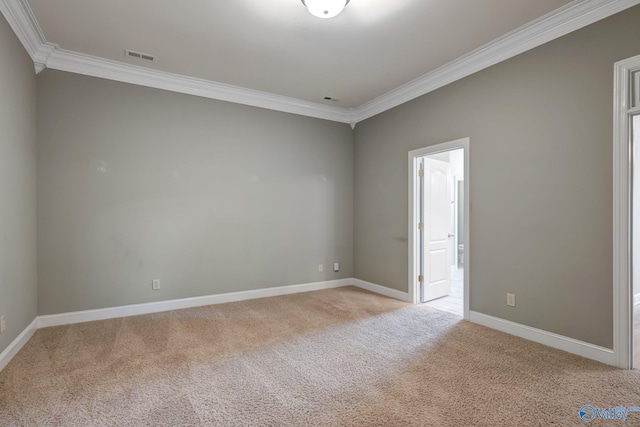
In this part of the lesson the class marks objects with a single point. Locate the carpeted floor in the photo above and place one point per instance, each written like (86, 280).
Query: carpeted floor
(340, 357)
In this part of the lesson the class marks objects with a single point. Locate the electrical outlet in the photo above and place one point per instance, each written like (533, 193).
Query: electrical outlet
(336, 266)
(320, 268)
(3, 324)
(155, 284)
(511, 300)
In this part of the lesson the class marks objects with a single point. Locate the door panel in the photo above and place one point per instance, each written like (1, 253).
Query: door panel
(437, 219)
(438, 270)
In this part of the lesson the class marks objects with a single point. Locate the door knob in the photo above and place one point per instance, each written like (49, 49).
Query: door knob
(451, 235)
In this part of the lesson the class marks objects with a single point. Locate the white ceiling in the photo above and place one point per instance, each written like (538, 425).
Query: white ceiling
(276, 46)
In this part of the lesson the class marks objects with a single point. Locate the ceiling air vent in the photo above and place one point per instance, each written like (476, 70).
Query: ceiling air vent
(139, 55)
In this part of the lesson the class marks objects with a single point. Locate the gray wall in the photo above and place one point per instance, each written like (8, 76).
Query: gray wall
(210, 197)
(540, 126)
(18, 278)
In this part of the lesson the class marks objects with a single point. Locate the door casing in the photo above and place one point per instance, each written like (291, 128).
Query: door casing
(624, 92)
(413, 234)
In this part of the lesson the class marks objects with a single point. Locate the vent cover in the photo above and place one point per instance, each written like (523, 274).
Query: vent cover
(139, 55)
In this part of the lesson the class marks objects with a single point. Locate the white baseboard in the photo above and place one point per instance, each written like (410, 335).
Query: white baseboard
(176, 304)
(581, 348)
(382, 290)
(17, 344)
(160, 306)
(570, 345)
(156, 307)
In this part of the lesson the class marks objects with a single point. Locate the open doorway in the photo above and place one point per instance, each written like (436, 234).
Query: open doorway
(438, 221)
(626, 214)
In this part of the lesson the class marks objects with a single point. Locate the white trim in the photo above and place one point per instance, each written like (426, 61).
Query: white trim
(543, 337)
(622, 187)
(569, 18)
(564, 20)
(177, 304)
(412, 169)
(636, 299)
(17, 344)
(382, 290)
(44, 54)
(550, 339)
(21, 19)
(65, 60)
(621, 218)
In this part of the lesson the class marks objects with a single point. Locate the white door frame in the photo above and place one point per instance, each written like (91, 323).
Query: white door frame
(414, 289)
(623, 109)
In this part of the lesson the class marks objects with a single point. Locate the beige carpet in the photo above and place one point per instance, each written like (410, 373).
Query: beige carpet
(327, 358)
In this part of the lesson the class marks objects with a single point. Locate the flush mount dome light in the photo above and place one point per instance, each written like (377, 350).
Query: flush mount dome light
(325, 8)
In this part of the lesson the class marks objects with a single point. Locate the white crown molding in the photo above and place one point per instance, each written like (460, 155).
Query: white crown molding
(564, 20)
(43, 56)
(571, 17)
(48, 55)
(21, 19)
(65, 60)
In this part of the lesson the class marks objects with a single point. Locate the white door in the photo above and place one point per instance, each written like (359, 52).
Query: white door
(435, 229)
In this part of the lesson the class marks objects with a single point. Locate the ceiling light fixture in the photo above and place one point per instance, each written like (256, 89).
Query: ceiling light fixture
(325, 8)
